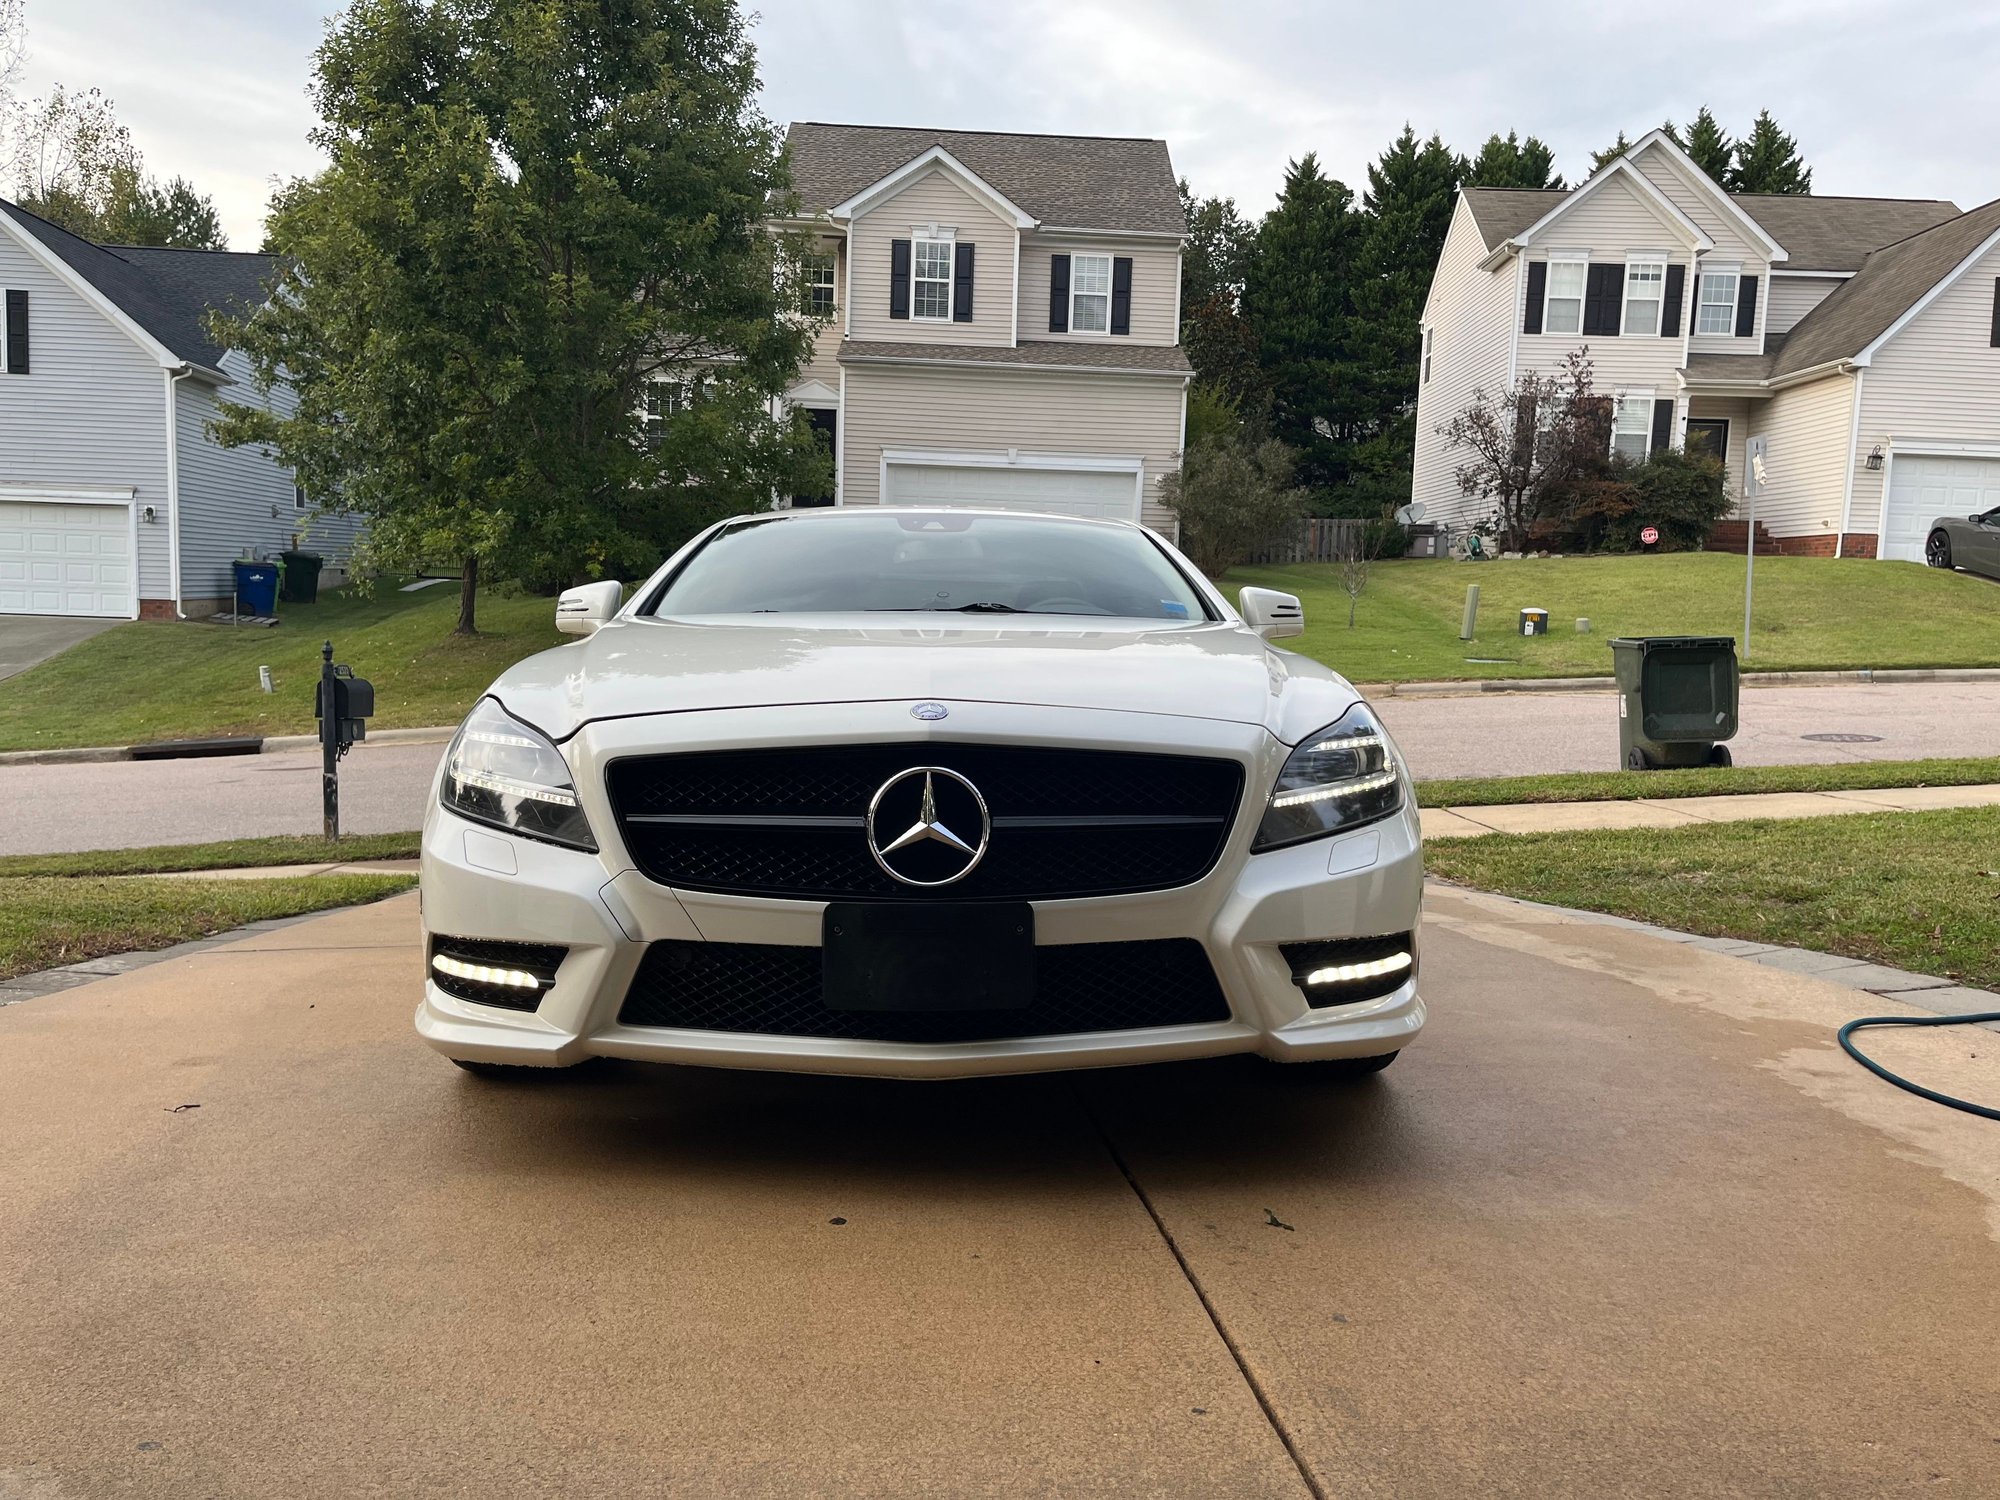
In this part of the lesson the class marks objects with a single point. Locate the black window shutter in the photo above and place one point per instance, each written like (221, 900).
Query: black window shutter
(17, 333)
(1538, 287)
(1058, 294)
(1121, 294)
(899, 278)
(1663, 426)
(1604, 300)
(1746, 307)
(961, 275)
(1996, 312)
(1670, 308)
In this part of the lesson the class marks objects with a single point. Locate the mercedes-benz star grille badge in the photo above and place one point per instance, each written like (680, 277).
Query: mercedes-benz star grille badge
(928, 826)
(930, 713)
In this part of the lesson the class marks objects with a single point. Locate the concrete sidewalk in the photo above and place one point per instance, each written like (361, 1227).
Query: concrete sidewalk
(1682, 812)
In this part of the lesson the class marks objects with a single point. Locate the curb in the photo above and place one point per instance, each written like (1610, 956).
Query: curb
(276, 744)
(1860, 676)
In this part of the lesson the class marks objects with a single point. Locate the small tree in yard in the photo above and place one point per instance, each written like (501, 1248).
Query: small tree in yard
(1232, 493)
(1530, 444)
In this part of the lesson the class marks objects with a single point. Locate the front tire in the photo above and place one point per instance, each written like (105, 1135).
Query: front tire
(1718, 755)
(1937, 550)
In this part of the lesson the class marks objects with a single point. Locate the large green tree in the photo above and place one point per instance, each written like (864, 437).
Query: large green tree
(1767, 161)
(532, 311)
(75, 165)
(1298, 298)
(1219, 343)
(1513, 163)
(1708, 144)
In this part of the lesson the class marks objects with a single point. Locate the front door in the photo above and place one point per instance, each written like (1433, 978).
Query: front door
(826, 426)
(1709, 435)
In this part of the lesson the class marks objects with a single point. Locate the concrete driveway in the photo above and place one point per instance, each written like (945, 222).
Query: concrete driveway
(27, 640)
(1624, 1223)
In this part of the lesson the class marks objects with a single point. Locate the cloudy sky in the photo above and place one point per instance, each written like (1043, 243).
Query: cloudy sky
(1885, 98)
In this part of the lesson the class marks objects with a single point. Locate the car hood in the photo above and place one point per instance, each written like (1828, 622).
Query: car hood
(1215, 670)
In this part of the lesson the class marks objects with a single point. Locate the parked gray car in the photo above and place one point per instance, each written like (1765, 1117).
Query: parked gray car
(1972, 543)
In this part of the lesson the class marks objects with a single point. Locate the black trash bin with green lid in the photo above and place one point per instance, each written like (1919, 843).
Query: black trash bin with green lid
(301, 582)
(1676, 699)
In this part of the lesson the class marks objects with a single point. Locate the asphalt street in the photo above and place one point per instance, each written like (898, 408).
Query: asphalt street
(52, 808)
(1624, 1222)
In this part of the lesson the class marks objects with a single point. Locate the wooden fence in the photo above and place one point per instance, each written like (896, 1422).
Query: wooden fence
(1319, 539)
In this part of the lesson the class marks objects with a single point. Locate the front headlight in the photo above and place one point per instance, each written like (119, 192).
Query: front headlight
(499, 771)
(1337, 779)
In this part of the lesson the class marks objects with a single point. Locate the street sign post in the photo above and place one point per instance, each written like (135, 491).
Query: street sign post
(1753, 485)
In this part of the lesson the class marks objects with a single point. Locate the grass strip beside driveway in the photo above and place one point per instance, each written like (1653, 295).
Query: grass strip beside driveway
(1919, 891)
(229, 854)
(48, 922)
(1703, 781)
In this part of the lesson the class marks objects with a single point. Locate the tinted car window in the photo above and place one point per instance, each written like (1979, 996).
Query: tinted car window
(917, 561)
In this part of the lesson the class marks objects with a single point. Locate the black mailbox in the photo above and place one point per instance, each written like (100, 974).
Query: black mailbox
(353, 704)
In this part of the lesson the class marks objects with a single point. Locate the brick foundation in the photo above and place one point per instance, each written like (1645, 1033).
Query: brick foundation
(194, 609)
(1858, 544)
(1807, 546)
(156, 609)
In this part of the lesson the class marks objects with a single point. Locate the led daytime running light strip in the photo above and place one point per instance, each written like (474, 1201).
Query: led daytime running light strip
(507, 786)
(1351, 742)
(1375, 968)
(1354, 788)
(458, 968)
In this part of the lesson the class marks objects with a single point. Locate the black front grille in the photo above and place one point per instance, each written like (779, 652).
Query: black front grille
(788, 823)
(775, 991)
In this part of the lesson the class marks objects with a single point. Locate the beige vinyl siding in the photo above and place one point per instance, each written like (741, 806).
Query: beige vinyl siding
(1613, 223)
(1936, 381)
(937, 198)
(949, 409)
(1792, 297)
(1732, 241)
(1805, 428)
(823, 364)
(1155, 286)
(91, 411)
(1737, 413)
(1468, 312)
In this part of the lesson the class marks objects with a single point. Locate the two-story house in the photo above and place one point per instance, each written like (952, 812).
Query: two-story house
(1005, 324)
(114, 499)
(1859, 337)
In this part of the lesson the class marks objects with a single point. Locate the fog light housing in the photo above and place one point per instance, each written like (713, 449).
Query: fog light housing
(1347, 971)
(513, 976)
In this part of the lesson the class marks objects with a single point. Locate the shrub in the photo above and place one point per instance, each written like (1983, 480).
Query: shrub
(1232, 493)
(1682, 493)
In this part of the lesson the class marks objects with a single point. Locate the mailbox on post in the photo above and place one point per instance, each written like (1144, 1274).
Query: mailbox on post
(343, 705)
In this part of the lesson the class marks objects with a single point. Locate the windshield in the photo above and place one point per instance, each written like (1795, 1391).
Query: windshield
(922, 562)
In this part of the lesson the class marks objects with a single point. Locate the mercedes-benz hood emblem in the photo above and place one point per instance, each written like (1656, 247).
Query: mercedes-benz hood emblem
(928, 826)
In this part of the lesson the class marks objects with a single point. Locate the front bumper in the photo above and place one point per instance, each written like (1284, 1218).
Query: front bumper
(484, 884)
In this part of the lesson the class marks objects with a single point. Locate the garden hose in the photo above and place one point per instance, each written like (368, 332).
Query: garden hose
(1986, 1111)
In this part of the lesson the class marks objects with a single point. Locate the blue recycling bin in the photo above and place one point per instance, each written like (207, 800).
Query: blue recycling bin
(256, 588)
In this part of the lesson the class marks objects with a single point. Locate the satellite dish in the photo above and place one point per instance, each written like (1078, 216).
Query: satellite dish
(1411, 514)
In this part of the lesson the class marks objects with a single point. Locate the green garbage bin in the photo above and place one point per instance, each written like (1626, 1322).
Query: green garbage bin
(301, 583)
(1676, 699)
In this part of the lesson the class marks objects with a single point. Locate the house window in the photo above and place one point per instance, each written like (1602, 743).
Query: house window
(663, 399)
(1645, 280)
(1632, 424)
(298, 496)
(1562, 311)
(1430, 343)
(930, 280)
(1716, 311)
(817, 275)
(1090, 294)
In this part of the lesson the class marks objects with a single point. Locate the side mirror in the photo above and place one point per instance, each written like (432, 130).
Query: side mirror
(1272, 615)
(581, 611)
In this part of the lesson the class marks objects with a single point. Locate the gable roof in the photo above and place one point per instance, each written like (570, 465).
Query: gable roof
(1065, 181)
(167, 293)
(1890, 283)
(1651, 195)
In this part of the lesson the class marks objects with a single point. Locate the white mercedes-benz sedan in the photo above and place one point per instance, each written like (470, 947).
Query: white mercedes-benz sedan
(921, 793)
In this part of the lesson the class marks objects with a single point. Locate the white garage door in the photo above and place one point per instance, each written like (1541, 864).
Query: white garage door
(1923, 487)
(58, 559)
(1101, 493)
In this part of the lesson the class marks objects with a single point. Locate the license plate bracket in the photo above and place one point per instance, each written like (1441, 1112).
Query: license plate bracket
(957, 957)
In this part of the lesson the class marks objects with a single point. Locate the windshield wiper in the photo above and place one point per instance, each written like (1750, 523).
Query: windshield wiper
(981, 607)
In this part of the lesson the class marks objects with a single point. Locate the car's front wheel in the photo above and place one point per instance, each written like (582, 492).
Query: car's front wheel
(1937, 551)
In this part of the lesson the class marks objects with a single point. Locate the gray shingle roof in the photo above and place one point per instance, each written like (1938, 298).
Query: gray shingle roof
(1889, 282)
(1046, 354)
(1065, 181)
(1819, 234)
(166, 292)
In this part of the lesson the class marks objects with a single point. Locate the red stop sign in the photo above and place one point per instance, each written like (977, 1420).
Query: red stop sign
(1650, 535)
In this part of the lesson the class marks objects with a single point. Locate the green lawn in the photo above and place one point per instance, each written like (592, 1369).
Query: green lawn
(230, 854)
(158, 680)
(1920, 891)
(1812, 613)
(1704, 781)
(45, 923)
